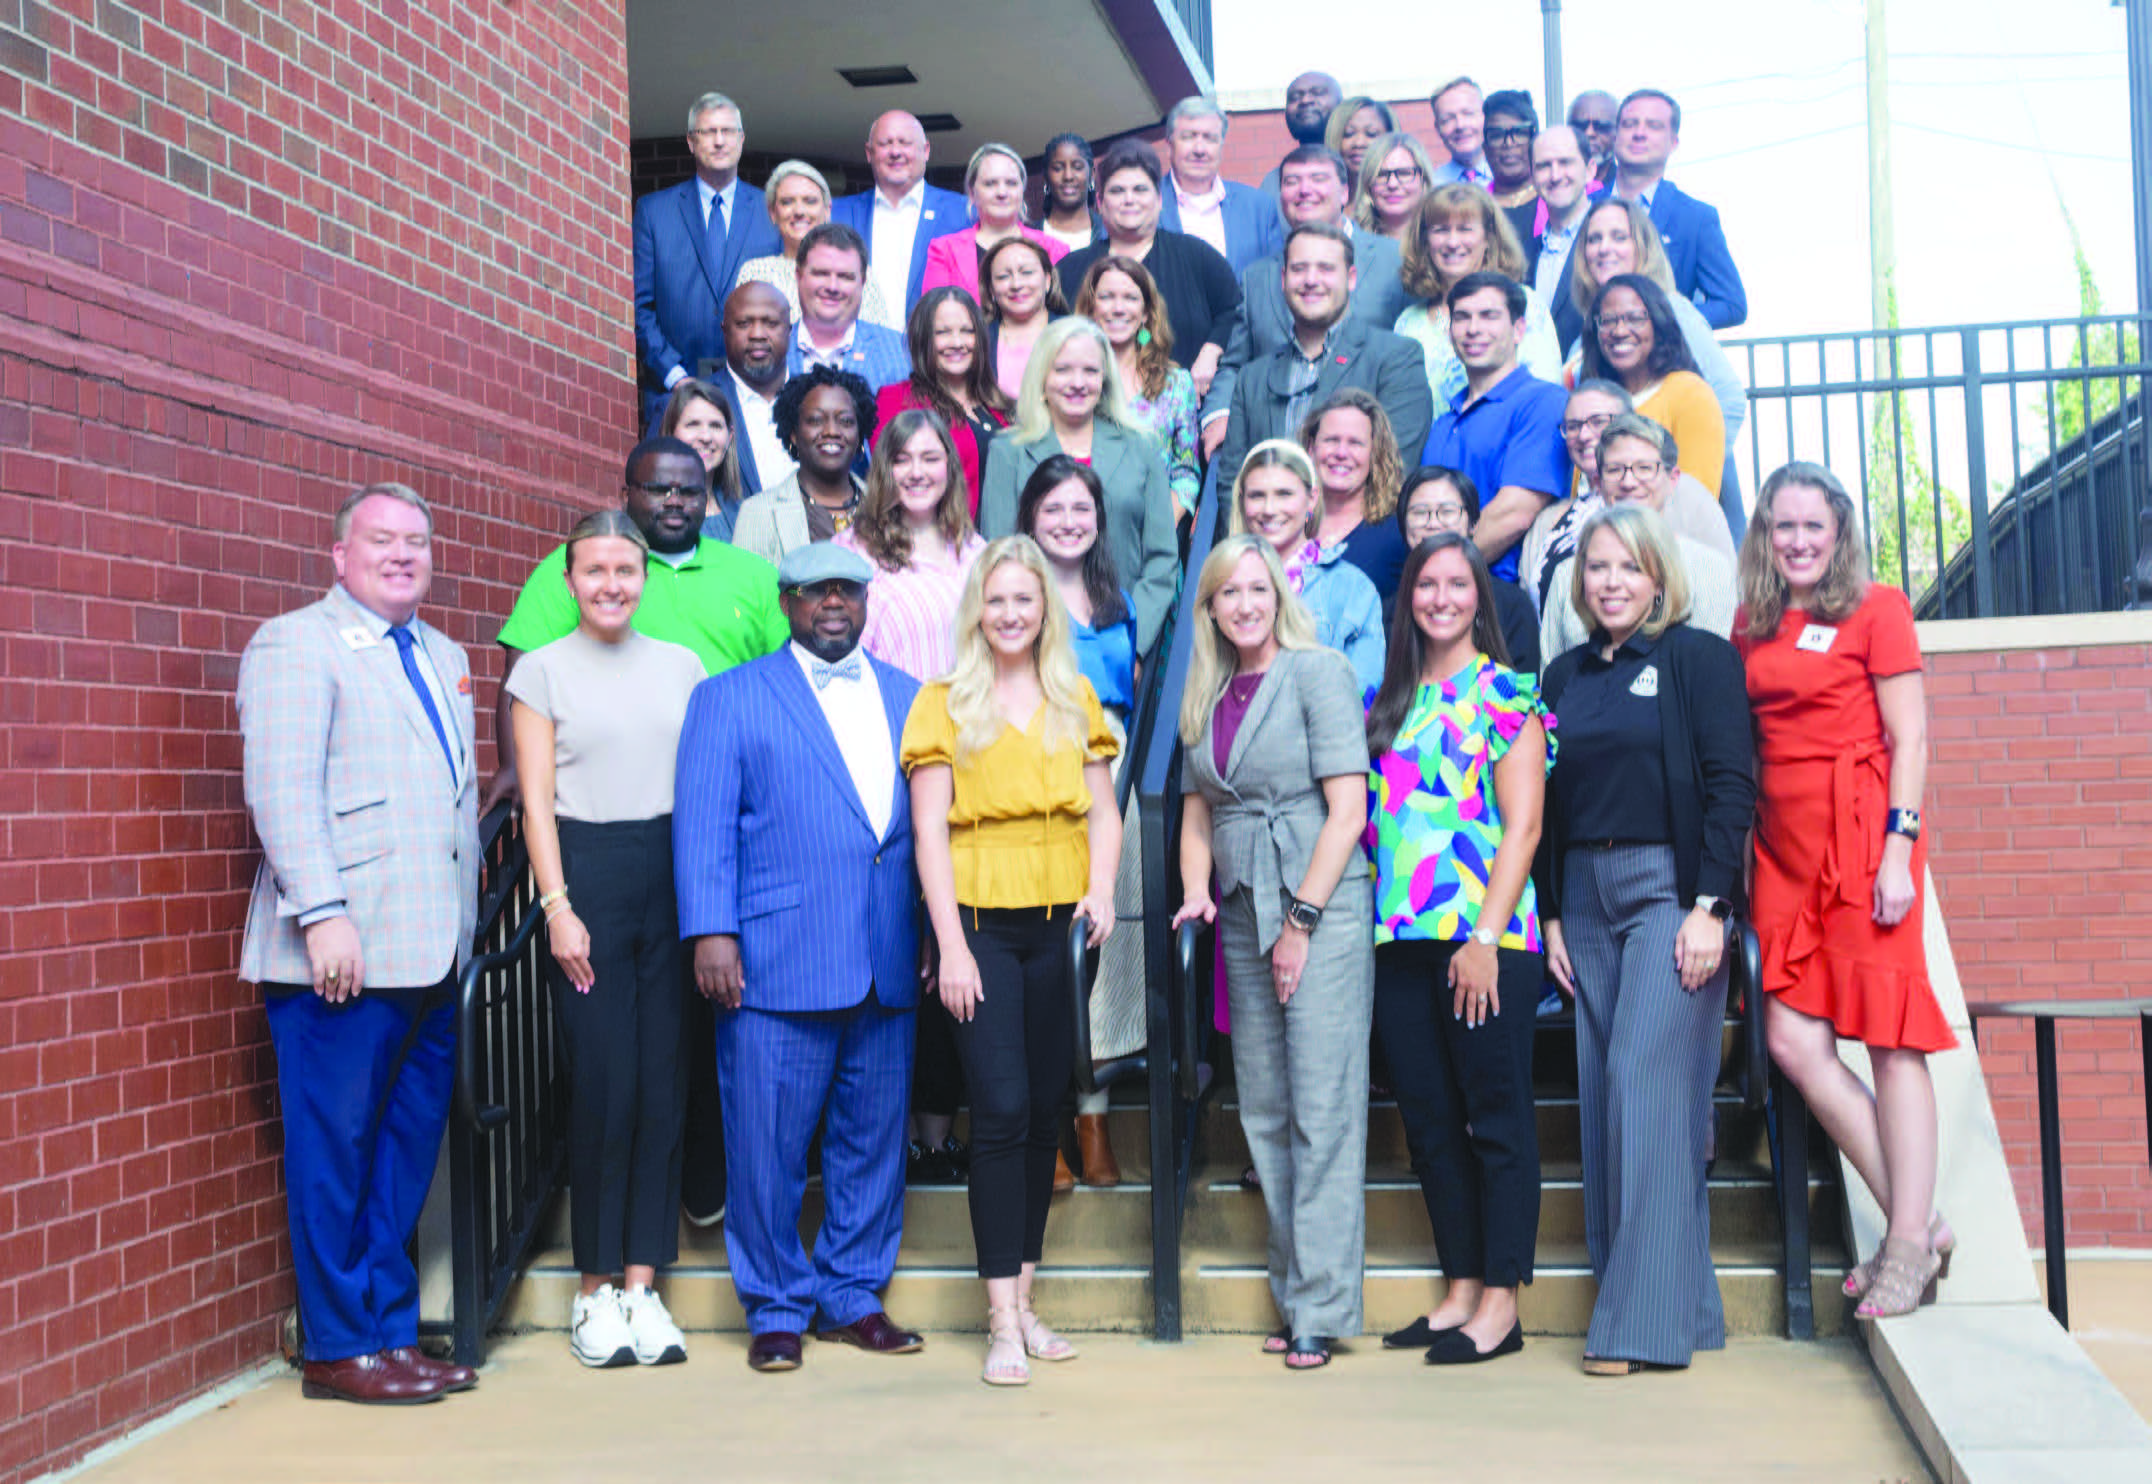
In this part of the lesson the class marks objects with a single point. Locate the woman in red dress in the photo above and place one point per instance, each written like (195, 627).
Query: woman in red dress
(1841, 725)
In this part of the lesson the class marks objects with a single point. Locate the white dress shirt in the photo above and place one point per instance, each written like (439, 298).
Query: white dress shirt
(759, 413)
(854, 711)
(895, 229)
(1555, 245)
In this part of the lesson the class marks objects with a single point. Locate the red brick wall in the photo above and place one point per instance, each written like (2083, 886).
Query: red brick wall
(247, 260)
(1258, 140)
(2041, 795)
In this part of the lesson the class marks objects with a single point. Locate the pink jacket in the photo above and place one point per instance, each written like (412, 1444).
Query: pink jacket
(954, 259)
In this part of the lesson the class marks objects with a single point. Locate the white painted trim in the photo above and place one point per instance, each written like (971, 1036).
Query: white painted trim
(2066, 631)
(200, 1406)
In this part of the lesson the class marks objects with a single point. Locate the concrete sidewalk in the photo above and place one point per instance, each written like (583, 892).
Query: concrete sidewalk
(1125, 1411)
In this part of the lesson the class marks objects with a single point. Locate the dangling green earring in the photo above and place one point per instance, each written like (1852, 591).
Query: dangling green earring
(1143, 337)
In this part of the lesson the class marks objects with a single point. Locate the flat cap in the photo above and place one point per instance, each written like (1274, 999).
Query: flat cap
(822, 561)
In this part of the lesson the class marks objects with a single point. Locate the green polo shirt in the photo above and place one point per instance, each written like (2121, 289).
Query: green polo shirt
(721, 602)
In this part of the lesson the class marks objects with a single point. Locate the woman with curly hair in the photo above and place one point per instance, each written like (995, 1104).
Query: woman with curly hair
(953, 375)
(1119, 296)
(913, 528)
(1455, 231)
(1360, 470)
(1633, 339)
(824, 417)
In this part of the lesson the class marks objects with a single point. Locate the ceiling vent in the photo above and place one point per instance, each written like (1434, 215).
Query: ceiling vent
(877, 77)
(940, 123)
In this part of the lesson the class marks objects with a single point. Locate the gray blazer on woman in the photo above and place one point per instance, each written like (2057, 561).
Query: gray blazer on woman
(1304, 725)
(1139, 511)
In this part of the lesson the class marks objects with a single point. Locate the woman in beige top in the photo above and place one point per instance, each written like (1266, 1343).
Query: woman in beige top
(798, 197)
(597, 717)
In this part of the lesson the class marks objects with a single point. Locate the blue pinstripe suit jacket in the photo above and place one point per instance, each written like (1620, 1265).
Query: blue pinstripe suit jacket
(771, 843)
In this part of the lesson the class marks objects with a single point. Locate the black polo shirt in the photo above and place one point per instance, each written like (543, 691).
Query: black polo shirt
(1610, 767)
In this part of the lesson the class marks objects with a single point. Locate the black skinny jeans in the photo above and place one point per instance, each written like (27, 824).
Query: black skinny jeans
(1017, 1051)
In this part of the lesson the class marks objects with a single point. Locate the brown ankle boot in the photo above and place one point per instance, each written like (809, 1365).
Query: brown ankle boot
(1064, 1177)
(1096, 1149)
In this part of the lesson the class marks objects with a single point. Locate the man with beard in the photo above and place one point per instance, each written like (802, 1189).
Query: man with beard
(719, 601)
(792, 843)
(757, 326)
(1310, 99)
(825, 418)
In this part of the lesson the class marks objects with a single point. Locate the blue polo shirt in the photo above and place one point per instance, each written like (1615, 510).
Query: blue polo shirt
(1510, 436)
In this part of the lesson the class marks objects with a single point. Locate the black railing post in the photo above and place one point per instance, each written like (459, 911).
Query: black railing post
(1789, 1129)
(1976, 479)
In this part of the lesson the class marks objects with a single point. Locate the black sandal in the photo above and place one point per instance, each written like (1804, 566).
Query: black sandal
(1279, 1340)
(1304, 1346)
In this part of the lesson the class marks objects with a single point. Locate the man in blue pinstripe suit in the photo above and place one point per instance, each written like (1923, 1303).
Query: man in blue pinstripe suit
(792, 840)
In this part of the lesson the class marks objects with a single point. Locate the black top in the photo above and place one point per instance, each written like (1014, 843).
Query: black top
(1377, 548)
(1707, 758)
(1610, 775)
(1195, 280)
(1519, 623)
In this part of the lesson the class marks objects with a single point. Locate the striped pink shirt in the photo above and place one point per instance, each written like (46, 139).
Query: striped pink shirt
(911, 613)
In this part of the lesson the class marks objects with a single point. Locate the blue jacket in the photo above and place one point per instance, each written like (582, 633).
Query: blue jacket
(940, 213)
(680, 288)
(1696, 250)
(1348, 614)
(1253, 228)
(879, 354)
(770, 843)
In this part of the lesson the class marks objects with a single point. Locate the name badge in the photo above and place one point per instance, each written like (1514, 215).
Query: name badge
(1816, 638)
(358, 637)
(1646, 684)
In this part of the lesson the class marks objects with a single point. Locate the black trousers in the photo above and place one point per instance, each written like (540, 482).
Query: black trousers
(1466, 1098)
(627, 1069)
(1018, 1049)
(937, 1073)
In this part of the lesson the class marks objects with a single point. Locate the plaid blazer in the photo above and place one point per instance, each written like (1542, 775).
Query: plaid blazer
(353, 800)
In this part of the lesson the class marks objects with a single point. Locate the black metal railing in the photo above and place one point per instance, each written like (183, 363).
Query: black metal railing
(507, 1138)
(2001, 469)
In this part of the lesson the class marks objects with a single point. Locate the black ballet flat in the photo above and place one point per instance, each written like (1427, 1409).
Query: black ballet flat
(1455, 1347)
(1417, 1335)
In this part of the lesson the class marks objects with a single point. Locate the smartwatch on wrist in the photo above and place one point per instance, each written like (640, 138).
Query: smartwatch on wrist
(1719, 907)
(1303, 915)
(1904, 822)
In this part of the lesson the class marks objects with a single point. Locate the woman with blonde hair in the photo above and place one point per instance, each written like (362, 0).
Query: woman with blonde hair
(1276, 763)
(1457, 230)
(1074, 402)
(1119, 296)
(1389, 184)
(1275, 496)
(1016, 834)
(994, 182)
(1359, 471)
(798, 198)
(1354, 127)
(1834, 681)
(913, 528)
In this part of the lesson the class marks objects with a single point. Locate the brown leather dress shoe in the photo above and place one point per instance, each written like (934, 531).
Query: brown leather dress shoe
(876, 1332)
(372, 1380)
(1064, 1177)
(774, 1350)
(418, 1362)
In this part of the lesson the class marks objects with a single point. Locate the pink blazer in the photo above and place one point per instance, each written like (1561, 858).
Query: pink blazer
(954, 259)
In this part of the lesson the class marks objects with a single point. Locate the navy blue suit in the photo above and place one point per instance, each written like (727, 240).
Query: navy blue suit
(680, 286)
(940, 213)
(1253, 228)
(772, 845)
(1696, 250)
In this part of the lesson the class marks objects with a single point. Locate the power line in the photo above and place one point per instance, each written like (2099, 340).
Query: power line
(2030, 149)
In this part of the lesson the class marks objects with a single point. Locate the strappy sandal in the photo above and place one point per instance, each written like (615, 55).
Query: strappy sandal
(1941, 1239)
(1905, 1280)
(1279, 1340)
(1005, 1363)
(1307, 1353)
(1041, 1343)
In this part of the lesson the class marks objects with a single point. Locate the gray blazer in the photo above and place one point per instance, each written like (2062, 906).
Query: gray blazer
(353, 800)
(1262, 323)
(1139, 511)
(775, 521)
(1305, 724)
(1386, 365)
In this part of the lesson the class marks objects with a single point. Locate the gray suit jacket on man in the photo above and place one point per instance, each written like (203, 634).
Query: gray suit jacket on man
(1389, 366)
(1263, 323)
(353, 799)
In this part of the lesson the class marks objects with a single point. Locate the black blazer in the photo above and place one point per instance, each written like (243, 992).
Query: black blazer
(1197, 283)
(1710, 757)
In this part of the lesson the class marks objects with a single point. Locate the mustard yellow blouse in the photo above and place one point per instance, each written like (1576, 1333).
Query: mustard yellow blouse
(1017, 834)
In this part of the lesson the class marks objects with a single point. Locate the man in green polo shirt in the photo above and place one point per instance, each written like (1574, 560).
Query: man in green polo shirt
(720, 602)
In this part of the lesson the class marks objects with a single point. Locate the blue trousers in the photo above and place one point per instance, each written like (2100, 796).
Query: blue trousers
(779, 1075)
(365, 1088)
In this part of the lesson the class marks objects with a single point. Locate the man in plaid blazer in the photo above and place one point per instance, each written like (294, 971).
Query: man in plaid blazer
(356, 720)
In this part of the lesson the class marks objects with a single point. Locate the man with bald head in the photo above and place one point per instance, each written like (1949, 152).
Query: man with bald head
(902, 214)
(1310, 99)
(758, 337)
(1562, 175)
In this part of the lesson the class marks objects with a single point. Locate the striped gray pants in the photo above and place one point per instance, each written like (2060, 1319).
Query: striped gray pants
(1647, 1056)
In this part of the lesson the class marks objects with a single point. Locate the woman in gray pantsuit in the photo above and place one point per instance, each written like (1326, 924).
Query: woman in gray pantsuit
(1277, 765)
(1648, 809)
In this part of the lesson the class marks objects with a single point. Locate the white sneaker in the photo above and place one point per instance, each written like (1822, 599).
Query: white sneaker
(598, 1332)
(658, 1340)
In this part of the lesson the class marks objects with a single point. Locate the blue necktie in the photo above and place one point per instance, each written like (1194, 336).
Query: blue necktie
(405, 640)
(716, 229)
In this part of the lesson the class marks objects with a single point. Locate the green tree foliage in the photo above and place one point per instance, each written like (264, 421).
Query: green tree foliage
(1908, 545)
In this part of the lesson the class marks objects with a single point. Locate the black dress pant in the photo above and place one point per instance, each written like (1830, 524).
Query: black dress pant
(1466, 1098)
(627, 1071)
(1018, 1050)
(937, 1073)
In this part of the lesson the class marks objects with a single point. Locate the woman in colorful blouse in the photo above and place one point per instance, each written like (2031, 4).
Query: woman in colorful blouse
(1274, 497)
(913, 528)
(1277, 772)
(1460, 747)
(1119, 297)
(1015, 830)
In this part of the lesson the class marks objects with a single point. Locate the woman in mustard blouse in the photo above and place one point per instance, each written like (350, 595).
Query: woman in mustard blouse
(1016, 832)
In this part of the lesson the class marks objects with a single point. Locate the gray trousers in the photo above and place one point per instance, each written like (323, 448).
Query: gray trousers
(1301, 1070)
(1647, 1056)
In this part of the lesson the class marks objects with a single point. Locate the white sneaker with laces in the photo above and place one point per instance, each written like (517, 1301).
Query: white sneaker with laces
(658, 1340)
(598, 1331)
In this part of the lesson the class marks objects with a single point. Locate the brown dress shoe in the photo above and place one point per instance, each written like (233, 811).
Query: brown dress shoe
(419, 1363)
(1096, 1150)
(372, 1380)
(1064, 1177)
(775, 1350)
(877, 1333)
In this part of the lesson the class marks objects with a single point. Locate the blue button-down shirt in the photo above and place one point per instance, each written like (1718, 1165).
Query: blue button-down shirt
(1512, 435)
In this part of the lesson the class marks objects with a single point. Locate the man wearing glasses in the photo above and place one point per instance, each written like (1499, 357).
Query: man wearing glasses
(720, 602)
(690, 240)
(1592, 115)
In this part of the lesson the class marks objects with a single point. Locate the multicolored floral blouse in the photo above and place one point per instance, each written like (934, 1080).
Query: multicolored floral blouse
(1172, 421)
(1433, 825)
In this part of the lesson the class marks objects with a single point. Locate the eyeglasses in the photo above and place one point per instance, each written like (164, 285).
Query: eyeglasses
(1571, 426)
(1450, 513)
(683, 494)
(843, 587)
(1633, 320)
(1398, 177)
(1513, 134)
(1643, 470)
(717, 131)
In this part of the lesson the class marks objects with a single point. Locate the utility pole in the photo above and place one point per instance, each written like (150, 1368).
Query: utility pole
(1550, 16)
(1882, 233)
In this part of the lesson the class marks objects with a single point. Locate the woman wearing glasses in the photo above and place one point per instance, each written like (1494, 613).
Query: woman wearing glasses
(1438, 499)
(1552, 539)
(1632, 337)
(1391, 179)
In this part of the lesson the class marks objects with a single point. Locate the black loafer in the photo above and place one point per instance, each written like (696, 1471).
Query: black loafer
(1455, 1347)
(1417, 1335)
